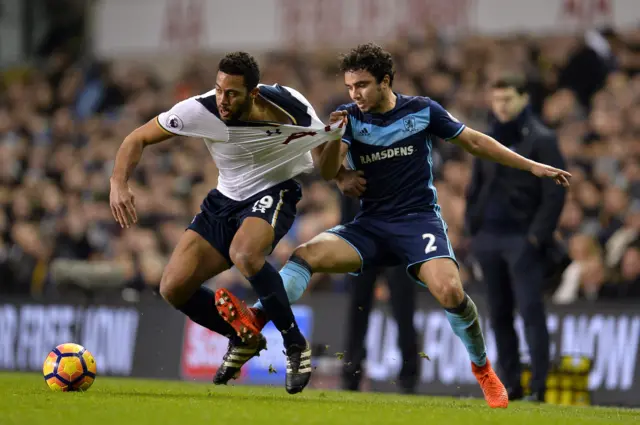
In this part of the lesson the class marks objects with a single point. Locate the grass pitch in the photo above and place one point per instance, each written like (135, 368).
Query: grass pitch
(25, 399)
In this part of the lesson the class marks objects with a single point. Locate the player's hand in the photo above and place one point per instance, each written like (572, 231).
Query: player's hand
(338, 116)
(545, 171)
(123, 204)
(351, 183)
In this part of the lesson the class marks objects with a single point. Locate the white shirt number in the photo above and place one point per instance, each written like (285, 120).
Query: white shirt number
(263, 204)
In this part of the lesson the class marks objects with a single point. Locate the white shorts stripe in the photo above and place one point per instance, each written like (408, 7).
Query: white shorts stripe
(278, 206)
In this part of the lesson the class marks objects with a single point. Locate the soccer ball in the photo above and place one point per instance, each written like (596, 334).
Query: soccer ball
(69, 367)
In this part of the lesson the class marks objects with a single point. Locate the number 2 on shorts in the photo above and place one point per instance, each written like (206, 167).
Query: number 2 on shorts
(430, 245)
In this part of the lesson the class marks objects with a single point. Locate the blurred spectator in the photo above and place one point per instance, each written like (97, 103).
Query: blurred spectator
(596, 54)
(586, 274)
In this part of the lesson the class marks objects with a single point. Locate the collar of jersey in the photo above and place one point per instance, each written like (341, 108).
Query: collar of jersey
(239, 123)
(293, 120)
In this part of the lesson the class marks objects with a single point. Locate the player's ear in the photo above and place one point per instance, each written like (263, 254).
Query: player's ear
(254, 93)
(386, 80)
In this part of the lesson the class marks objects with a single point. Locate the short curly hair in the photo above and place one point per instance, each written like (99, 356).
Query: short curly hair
(241, 63)
(371, 58)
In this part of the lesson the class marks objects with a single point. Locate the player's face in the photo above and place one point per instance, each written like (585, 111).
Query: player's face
(507, 103)
(364, 90)
(232, 97)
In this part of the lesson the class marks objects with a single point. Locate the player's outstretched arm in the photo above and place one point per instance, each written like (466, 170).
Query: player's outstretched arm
(329, 156)
(128, 156)
(485, 147)
(130, 150)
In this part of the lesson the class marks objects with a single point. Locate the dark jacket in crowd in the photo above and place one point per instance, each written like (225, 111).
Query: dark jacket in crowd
(506, 200)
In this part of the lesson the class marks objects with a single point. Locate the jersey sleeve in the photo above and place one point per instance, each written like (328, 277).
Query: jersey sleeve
(347, 137)
(190, 118)
(442, 124)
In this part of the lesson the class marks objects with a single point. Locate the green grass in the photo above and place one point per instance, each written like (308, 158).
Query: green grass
(25, 399)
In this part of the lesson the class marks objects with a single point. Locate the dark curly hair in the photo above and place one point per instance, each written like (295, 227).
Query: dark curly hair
(371, 58)
(241, 63)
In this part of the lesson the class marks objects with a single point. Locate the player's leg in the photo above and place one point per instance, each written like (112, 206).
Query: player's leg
(431, 259)
(267, 218)
(341, 249)
(274, 301)
(263, 223)
(202, 253)
(327, 252)
(443, 280)
(441, 276)
(248, 252)
(193, 262)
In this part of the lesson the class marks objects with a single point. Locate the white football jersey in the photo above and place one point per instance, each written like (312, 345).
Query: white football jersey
(252, 157)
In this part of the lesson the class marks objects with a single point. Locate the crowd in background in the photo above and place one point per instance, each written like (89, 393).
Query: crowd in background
(62, 122)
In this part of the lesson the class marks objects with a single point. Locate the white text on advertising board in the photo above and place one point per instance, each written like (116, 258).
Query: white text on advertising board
(30, 331)
(611, 341)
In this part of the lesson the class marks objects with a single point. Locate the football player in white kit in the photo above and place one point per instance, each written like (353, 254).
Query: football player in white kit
(260, 137)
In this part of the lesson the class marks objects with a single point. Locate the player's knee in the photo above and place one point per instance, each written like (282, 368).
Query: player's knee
(171, 288)
(310, 254)
(247, 260)
(448, 290)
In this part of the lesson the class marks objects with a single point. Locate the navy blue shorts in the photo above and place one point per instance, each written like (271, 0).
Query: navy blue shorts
(220, 217)
(384, 242)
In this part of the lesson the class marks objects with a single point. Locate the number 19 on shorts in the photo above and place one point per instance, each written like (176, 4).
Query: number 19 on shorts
(263, 204)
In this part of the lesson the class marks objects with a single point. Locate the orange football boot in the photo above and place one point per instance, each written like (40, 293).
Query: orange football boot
(247, 322)
(494, 392)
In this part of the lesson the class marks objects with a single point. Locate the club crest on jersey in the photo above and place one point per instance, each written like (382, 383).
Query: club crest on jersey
(174, 122)
(409, 124)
